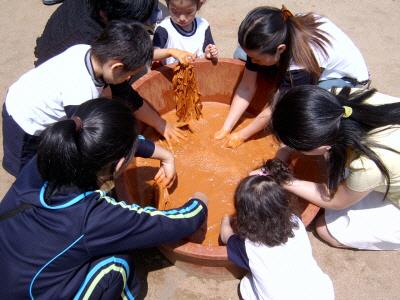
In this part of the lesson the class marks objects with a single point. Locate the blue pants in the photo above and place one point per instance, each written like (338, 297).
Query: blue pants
(18, 146)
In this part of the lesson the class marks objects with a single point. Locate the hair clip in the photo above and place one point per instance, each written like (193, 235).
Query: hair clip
(347, 111)
(286, 13)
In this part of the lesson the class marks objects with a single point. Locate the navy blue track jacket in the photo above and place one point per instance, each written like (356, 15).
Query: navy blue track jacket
(46, 251)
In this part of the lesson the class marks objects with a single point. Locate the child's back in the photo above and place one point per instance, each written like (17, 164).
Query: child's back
(40, 96)
(287, 271)
(271, 243)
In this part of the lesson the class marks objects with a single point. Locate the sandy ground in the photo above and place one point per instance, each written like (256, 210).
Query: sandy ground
(373, 26)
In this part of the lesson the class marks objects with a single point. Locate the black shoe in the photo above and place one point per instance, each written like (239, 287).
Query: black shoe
(51, 2)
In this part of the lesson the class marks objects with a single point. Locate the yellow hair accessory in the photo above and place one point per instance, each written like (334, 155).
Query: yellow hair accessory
(347, 111)
(286, 13)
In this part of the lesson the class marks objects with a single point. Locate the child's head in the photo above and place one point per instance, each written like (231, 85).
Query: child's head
(264, 35)
(183, 12)
(262, 206)
(76, 151)
(123, 49)
(135, 10)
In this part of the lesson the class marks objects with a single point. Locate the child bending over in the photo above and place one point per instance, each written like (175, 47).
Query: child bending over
(271, 242)
(184, 31)
(52, 91)
(61, 236)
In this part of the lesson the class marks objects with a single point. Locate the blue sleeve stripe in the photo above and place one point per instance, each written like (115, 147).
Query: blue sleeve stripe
(98, 272)
(49, 262)
(67, 204)
(187, 212)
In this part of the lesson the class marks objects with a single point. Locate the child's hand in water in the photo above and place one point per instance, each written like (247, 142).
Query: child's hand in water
(184, 57)
(211, 51)
(221, 134)
(167, 173)
(234, 140)
(226, 229)
(173, 134)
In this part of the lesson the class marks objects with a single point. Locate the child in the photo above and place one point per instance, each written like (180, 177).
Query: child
(52, 91)
(63, 238)
(271, 242)
(184, 31)
(358, 135)
(301, 49)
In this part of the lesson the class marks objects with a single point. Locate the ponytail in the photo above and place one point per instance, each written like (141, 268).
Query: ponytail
(307, 117)
(74, 151)
(265, 28)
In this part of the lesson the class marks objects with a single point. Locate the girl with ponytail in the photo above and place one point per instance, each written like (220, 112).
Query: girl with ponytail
(65, 238)
(358, 133)
(270, 242)
(299, 49)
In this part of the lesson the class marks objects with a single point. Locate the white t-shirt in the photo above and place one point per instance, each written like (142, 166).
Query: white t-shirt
(284, 272)
(343, 58)
(37, 99)
(192, 42)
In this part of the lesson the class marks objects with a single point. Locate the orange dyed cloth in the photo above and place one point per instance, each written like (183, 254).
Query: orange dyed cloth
(186, 93)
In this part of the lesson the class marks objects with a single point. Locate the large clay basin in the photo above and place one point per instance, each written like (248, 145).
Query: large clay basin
(217, 83)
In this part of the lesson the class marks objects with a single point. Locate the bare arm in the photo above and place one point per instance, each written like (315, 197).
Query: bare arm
(317, 193)
(181, 55)
(167, 173)
(149, 116)
(241, 100)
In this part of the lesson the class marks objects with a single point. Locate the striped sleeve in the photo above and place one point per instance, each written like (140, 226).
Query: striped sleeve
(117, 226)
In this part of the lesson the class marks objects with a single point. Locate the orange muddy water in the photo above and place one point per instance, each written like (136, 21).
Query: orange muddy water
(204, 164)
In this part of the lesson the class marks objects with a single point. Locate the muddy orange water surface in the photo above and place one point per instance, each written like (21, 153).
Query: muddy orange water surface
(204, 164)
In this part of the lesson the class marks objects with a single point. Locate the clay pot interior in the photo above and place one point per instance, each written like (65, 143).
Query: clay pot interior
(217, 84)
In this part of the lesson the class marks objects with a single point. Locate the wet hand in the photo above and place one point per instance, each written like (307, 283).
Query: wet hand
(234, 140)
(184, 57)
(226, 229)
(211, 51)
(166, 175)
(221, 134)
(172, 134)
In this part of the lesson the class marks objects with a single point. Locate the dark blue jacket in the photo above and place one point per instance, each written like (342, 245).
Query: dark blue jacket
(46, 250)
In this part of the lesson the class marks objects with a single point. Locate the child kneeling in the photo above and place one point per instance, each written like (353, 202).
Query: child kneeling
(271, 242)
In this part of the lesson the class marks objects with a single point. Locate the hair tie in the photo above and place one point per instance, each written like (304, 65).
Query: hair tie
(264, 172)
(347, 111)
(286, 13)
(78, 123)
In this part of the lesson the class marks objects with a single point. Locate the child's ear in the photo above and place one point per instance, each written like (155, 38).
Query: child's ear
(281, 48)
(117, 66)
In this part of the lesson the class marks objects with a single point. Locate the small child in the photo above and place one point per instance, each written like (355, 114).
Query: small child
(52, 91)
(184, 31)
(271, 242)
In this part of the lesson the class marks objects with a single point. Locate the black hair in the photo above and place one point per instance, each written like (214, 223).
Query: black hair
(135, 10)
(262, 206)
(72, 154)
(197, 2)
(265, 28)
(127, 42)
(307, 117)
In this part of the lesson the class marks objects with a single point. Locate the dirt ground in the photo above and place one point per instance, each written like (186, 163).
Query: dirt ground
(373, 26)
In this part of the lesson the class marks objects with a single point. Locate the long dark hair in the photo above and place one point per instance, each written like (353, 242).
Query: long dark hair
(265, 28)
(127, 42)
(307, 117)
(262, 206)
(73, 151)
